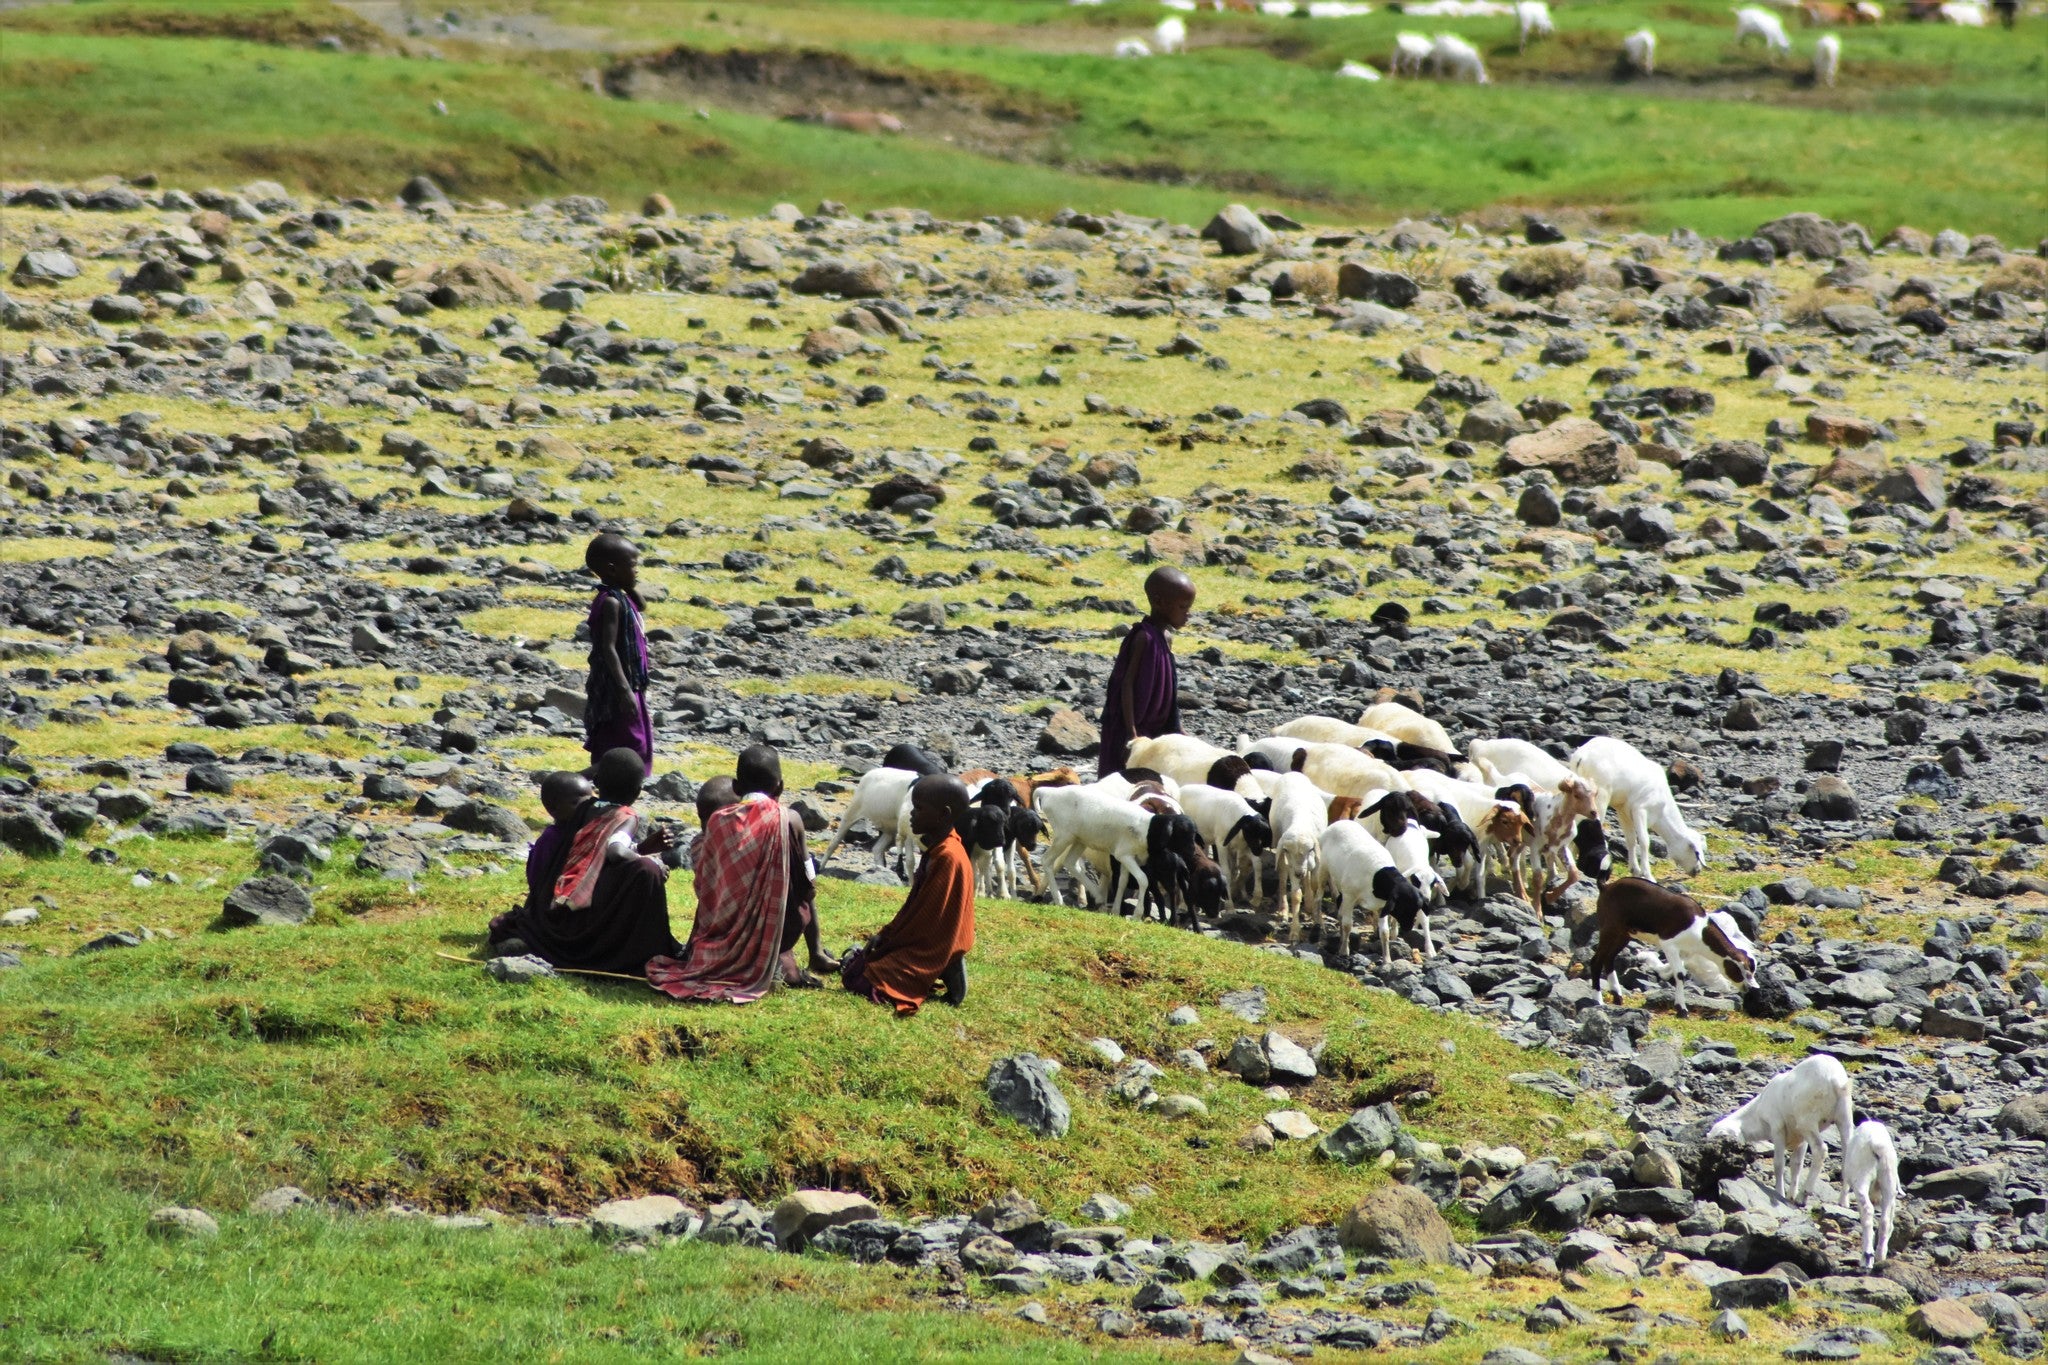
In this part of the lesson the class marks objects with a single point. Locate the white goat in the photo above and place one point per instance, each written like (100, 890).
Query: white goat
(1456, 59)
(1532, 19)
(1410, 852)
(1171, 35)
(1128, 48)
(1238, 834)
(1361, 872)
(1405, 724)
(1962, 14)
(1751, 22)
(1871, 1158)
(1337, 768)
(1300, 815)
(1089, 819)
(1358, 71)
(1183, 758)
(1639, 51)
(1641, 796)
(1827, 59)
(882, 798)
(1412, 52)
(1500, 760)
(1789, 1113)
(1328, 730)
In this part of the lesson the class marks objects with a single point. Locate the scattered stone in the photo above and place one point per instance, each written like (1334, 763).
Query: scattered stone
(268, 900)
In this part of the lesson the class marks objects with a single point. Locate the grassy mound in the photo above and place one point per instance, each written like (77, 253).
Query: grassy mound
(351, 1060)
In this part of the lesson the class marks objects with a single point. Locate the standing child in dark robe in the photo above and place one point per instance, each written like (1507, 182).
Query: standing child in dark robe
(600, 901)
(926, 945)
(615, 697)
(1144, 687)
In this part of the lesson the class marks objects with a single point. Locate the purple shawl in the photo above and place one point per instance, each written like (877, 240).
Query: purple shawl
(1147, 660)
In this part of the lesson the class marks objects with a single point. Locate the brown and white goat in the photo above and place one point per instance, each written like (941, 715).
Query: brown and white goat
(1710, 947)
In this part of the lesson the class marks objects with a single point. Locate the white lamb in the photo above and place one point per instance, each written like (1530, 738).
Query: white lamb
(1236, 833)
(1751, 22)
(1789, 1113)
(1411, 53)
(1532, 19)
(1827, 59)
(1404, 723)
(1410, 852)
(1300, 815)
(1171, 35)
(1085, 820)
(1344, 771)
(1872, 1158)
(1455, 59)
(1361, 872)
(1641, 796)
(1328, 730)
(1358, 71)
(1501, 759)
(1639, 51)
(882, 798)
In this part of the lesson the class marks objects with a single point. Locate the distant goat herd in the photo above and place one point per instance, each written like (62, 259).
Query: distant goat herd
(1450, 57)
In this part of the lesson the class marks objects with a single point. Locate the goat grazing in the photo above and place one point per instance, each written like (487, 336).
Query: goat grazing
(1412, 52)
(1639, 52)
(1532, 20)
(1500, 761)
(1229, 825)
(1130, 48)
(910, 758)
(1405, 723)
(1327, 730)
(1183, 758)
(1709, 947)
(1300, 815)
(1789, 1113)
(1751, 22)
(1171, 35)
(1870, 1157)
(1641, 796)
(1500, 828)
(1088, 819)
(1361, 872)
(1827, 59)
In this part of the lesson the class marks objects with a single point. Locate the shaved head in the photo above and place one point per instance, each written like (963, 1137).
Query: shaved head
(714, 796)
(1166, 584)
(606, 550)
(619, 774)
(938, 803)
(759, 770)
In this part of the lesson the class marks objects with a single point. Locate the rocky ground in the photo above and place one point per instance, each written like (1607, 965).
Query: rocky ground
(296, 494)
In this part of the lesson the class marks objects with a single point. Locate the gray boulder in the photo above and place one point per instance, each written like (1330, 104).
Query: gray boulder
(1238, 231)
(267, 900)
(1022, 1087)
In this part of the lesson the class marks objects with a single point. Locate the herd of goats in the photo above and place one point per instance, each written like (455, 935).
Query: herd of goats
(1387, 815)
(1450, 57)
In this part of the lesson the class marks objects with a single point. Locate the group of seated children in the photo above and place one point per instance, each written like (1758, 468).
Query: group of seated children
(597, 891)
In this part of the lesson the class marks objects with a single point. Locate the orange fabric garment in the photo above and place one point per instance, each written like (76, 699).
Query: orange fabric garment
(935, 925)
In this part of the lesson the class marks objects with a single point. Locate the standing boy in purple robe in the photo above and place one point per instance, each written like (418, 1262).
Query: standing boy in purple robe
(615, 698)
(1144, 697)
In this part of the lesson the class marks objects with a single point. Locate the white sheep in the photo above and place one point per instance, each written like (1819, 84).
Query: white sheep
(1751, 22)
(1183, 758)
(1328, 730)
(1344, 771)
(882, 798)
(1171, 35)
(1361, 872)
(1963, 14)
(1410, 852)
(1092, 820)
(1789, 1113)
(1872, 1158)
(1641, 796)
(1237, 834)
(1411, 53)
(1499, 760)
(1827, 59)
(1300, 815)
(1532, 20)
(1639, 52)
(1358, 71)
(1406, 724)
(1455, 59)
(1130, 48)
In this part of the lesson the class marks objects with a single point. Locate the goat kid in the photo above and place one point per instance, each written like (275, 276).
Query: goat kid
(1362, 872)
(1871, 1158)
(1789, 1113)
(1622, 776)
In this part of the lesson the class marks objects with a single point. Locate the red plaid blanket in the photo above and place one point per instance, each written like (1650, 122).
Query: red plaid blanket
(578, 882)
(742, 876)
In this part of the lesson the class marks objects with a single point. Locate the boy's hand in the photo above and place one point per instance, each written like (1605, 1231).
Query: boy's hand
(657, 841)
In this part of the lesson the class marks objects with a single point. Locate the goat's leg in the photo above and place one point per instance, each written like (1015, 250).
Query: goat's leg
(1869, 1212)
(838, 837)
(1778, 1165)
(1138, 878)
(1386, 942)
(1428, 943)
(1675, 968)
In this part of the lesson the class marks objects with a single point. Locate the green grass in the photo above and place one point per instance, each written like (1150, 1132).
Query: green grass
(348, 1058)
(1930, 125)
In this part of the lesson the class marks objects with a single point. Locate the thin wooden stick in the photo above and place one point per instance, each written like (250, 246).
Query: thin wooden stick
(573, 971)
